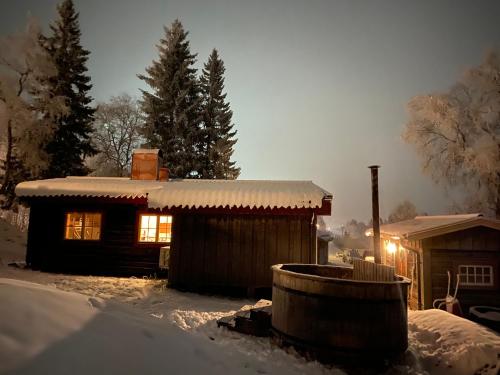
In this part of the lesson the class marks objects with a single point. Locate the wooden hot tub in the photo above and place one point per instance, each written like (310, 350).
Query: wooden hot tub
(322, 310)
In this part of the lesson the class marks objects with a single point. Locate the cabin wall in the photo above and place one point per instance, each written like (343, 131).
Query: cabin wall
(475, 246)
(116, 253)
(222, 252)
(407, 263)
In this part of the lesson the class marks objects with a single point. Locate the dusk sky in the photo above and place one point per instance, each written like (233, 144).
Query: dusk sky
(318, 88)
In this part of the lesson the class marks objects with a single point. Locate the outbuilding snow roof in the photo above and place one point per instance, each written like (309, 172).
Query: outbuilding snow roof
(429, 226)
(184, 193)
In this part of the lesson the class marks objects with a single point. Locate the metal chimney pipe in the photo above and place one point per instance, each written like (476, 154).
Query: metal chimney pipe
(375, 214)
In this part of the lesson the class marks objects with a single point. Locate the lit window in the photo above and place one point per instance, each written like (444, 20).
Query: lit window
(83, 226)
(475, 275)
(155, 228)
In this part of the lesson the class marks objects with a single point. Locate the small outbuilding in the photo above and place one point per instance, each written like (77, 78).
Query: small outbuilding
(324, 239)
(425, 248)
(220, 235)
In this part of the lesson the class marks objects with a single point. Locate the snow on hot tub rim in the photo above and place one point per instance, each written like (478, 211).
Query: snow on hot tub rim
(327, 279)
(332, 287)
(474, 310)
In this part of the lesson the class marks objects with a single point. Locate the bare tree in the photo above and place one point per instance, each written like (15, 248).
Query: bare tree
(403, 211)
(27, 111)
(117, 132)
(457, 134)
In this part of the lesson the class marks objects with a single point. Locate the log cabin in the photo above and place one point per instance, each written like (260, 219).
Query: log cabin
(209, 235)
(425, 248)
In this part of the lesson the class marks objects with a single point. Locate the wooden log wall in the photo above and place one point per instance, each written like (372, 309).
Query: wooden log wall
(236, 251)
(116, 253)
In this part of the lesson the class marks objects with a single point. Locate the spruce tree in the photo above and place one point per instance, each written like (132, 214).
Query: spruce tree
(172, 108)
(218, 140)
(71, 142)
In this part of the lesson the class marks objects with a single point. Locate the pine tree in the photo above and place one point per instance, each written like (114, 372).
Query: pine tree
(71, 142)
(218, 140)
(172, 109)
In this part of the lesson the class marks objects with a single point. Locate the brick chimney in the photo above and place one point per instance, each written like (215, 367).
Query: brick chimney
(163, 176)
(146, 164)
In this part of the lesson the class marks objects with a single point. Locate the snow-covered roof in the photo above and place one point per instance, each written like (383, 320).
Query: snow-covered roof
(429, 226)
(146, 151)
(184, 193)
(325, 235)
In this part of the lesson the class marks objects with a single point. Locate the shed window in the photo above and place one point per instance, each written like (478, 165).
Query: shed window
(155, 228)
(475, 275)
(83, 226)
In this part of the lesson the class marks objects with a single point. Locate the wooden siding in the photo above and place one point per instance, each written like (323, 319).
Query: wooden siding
(116, 253)
(208, 249)
(211, 252)
(406, 262)
(480, 246)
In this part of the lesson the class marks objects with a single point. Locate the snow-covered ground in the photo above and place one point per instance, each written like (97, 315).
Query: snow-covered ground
(61, 324)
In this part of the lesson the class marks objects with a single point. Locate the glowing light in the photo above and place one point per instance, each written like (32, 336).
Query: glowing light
(391, 247)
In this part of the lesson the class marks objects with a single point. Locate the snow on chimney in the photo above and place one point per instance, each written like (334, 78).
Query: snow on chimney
(146, 164)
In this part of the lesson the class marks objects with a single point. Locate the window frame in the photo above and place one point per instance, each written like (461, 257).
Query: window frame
(490, 284)
(83, 213)
(157, 233)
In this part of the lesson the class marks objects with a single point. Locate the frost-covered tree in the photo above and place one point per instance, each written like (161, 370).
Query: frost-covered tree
(457, 134)
(117, 125)
(172, 107)
(403, 211)
(71, 142)
(28, 111)
(219, 136)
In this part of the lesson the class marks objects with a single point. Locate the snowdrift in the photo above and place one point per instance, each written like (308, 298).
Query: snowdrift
(44, 330)
(447, 344)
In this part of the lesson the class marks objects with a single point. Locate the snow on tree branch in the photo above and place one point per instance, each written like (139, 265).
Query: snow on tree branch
(27, 111)
(457, 134)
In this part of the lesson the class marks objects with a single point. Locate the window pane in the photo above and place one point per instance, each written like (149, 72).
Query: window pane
(147, 230)
(150, 235)
(152, 222)
(92, 226)
(74, 224)
(155, 228)
(82, 225)
(144, 221)
(73, 233)
(165, 229)
(142, 235)
(476, 275)
(165, 219)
